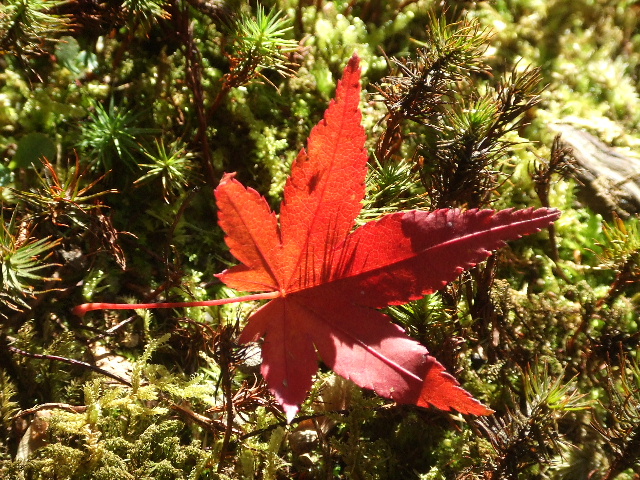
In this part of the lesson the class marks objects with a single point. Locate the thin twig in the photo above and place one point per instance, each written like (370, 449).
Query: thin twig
(51, 406)
(194, 80)
(70, 361)
(225, 366)
(302, 418)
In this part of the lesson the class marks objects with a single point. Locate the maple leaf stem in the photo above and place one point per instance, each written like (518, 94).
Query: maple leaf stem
(80, 310)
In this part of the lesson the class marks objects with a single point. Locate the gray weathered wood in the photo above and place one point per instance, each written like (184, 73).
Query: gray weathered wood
(610, 179)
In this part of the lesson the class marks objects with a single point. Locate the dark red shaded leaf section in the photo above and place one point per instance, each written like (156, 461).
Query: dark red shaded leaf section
(405, 255)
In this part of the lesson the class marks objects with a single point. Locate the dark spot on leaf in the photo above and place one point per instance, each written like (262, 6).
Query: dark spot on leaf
(313, 182)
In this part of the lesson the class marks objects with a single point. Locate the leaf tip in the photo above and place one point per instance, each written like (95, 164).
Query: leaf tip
(352, 72)
(226, 178)
(354, 61)
(290, 411)
(441, 390)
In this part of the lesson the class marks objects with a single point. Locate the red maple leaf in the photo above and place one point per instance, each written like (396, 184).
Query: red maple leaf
(328, 280)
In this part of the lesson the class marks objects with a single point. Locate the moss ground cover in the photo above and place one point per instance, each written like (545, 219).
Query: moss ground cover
(118, 119)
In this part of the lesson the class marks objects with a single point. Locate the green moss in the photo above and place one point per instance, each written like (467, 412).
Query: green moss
(186, 78)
